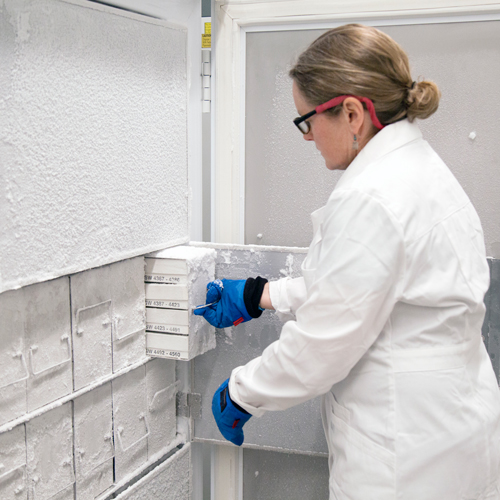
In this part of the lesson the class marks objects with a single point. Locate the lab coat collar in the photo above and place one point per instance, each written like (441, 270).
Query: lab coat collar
(387, 140)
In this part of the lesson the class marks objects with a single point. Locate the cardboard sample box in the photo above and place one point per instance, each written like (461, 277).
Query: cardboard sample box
(175, 283)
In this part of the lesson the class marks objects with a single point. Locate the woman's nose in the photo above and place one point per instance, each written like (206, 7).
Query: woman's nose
(308, 136)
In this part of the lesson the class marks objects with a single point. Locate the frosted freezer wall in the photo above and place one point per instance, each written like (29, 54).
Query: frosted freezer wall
(93, 171)
(92, 138)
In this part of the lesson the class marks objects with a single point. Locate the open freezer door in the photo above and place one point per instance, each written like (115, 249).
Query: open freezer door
(298, 429)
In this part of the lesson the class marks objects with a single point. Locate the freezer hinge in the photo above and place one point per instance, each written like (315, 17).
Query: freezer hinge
(188, 405)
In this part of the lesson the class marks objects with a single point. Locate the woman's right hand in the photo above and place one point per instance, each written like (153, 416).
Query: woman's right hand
(231, 302)
(225, 305)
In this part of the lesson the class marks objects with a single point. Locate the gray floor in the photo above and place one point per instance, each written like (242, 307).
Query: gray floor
(269, 475)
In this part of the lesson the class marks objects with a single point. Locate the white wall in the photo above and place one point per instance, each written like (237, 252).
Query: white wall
(93, 137)
(286, 178)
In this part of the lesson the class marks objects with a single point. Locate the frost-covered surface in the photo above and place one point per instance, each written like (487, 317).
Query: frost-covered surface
(47, 325)
(49, 441)
(108, 309)
(13, 355)
(138, 403)
(201, 270)
(93, 438)
(94, 170)
(131, 425)
(171, 480)
(161, 394)
(298, 428)
(13, 464)
(35, 348)
(195, 257)
(92, 138)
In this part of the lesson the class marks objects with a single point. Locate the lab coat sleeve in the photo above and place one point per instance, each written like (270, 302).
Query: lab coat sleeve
(355, 270)
(287, 295)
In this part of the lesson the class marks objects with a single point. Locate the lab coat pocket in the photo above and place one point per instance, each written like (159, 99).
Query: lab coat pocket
(361, 468)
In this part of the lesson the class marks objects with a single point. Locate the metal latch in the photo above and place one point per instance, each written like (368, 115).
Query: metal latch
(188, 405)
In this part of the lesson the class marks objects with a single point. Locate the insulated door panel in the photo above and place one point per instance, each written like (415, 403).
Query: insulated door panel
(131, 422)
(92, 311)
(129, 324)
(13, 484)
(171, 480)
(12, 357)
(161, 397)
(93, 428)
(48, 334)
(49, 440)
(108, 319)
(299, 428)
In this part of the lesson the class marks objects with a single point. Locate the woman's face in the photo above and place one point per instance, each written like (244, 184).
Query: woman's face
(332, 135)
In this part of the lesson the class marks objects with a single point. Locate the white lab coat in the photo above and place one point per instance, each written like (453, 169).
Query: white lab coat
(386, 325)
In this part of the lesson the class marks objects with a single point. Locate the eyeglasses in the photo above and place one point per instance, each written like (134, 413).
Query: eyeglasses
(305, 127)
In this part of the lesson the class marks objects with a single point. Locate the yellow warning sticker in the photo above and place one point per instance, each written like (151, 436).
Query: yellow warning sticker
(206, 41)
(208, 28)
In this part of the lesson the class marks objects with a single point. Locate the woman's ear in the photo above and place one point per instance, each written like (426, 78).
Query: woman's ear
(354, 114)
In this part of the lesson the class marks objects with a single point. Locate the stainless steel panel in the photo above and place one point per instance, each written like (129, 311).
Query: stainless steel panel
(298, 428)
(284, 476)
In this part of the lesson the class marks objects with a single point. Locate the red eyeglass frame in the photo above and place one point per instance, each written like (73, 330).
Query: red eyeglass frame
(335, 102)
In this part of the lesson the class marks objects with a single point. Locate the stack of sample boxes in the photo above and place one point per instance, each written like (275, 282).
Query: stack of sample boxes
(175, 282)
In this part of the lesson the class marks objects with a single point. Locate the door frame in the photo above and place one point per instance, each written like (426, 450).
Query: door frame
(233, 19)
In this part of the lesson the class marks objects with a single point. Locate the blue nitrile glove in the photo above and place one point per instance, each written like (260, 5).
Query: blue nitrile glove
(229, 417)
(231, 302)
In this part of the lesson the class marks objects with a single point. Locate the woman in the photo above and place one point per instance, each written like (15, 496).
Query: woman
(385, 322)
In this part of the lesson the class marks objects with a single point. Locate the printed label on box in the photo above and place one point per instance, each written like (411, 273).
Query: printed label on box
(172, 279)
(164, 353)
(168, 304)
(167, 346)
(159, 328)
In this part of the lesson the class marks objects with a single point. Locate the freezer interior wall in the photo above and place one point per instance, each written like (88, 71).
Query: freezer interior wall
(93, 137)
(94, 174)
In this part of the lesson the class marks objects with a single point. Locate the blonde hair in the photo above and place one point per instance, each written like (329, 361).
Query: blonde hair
(361, 60)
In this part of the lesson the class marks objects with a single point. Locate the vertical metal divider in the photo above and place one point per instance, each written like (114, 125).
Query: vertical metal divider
(72, 386)
(242, 165)
(26, 480)
(240, 474)
(72, 402)
(212, 472)
(113, 429)
(213, 114)
(24, 348)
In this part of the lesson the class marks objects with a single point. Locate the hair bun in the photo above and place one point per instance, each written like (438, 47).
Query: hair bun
(422, 100)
